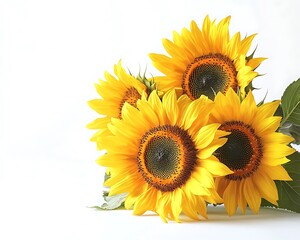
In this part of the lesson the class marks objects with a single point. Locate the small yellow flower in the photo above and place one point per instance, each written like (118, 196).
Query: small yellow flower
(206, 61)
(254, 151)
(114, 93)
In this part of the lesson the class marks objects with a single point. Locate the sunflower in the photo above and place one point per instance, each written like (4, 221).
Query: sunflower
(114, 92)
(160, 153)
(254, 151)
(206, 62)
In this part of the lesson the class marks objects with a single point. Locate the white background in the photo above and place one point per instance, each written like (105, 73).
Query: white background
(51, 54)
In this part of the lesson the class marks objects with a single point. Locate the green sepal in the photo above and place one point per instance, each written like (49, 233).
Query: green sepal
(106, 176)
(289, 191)
(149, 83)
(279, 111)
(263, 100)
(251, 55)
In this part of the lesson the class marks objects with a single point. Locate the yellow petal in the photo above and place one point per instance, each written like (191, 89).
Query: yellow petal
(255, 62)
(276, 137)
(156, 104)
(148, 112)
(230, 197)
(176, 204)
(145, 202)
(196, 188)
(98, 123)
(268, 125)
(207, 152)
(266, 187)
(266, 110)
(276, 172)
(272, 161)
(248, 109)
(241, 198)
(163, 206)
(252, 195)
(203, 177)
(216, 168)
(275, 150)
(170, 105)
(123, 186)
(206, 135)
(188, 207)
(246, 44)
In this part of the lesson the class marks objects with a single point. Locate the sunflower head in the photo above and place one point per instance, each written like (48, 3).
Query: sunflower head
(160, 153)
(254, 151)
(206, 61)
(114, 92)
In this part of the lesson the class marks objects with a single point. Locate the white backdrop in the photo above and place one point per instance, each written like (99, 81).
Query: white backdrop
(51, 54)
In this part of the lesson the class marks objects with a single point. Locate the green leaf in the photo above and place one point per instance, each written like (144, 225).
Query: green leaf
(291, 103)
(292, 130)
(289, 191)
(112, 202)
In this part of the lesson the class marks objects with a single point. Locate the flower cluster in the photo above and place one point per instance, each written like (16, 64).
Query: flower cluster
(195, 135)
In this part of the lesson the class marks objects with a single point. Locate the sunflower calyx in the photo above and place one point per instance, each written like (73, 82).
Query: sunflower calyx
(149, 83)
(251, 55)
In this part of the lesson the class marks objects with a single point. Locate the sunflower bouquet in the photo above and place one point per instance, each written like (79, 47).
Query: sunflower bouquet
(195, 135)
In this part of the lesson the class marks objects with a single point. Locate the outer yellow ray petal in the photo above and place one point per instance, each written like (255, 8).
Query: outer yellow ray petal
(216, 168)
(104, 107)
(196, 188)
(176, 204)
(267, 110)
(276, 172)
(170, 105)
(268, 125)
(230, 197)
(272, 161)
(201, 207)
(255, 62)
(241, 198)
(266, 187)
(134, 194)
(98, 123)
(123, 186)
(252, 195)
(188, 206)
(156, 104)
(148, 112)
(174, 50)
(207, 152)
(248, 109)
(206, 135)
(276, 151)
(145, 202)
(163, 206)
(108, 161)
(203, 177)
(246, 44)
(221, 185)
(276, 137)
